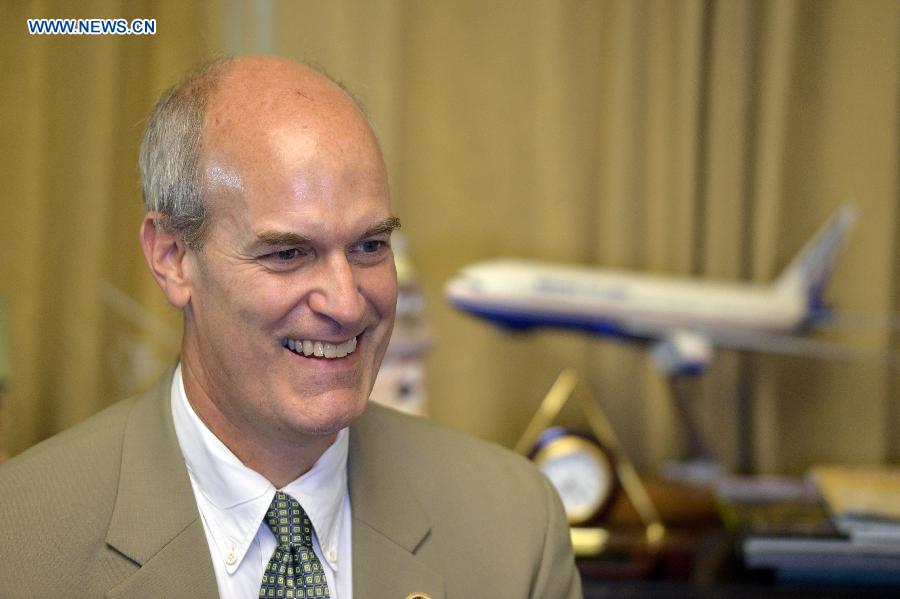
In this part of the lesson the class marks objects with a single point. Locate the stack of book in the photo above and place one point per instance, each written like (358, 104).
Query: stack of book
(858, 542)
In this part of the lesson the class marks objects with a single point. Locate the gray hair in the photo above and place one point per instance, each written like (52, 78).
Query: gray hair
(170, 153)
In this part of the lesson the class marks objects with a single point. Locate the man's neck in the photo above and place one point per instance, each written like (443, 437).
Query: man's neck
(279, 461)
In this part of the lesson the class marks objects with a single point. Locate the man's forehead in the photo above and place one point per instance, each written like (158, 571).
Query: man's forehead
(260, 121)
(258, 89)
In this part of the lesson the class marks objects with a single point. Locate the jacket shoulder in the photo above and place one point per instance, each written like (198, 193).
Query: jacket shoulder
(489, 509)
(76, 454)
(422, 444)
(58, 498)
(465, 483)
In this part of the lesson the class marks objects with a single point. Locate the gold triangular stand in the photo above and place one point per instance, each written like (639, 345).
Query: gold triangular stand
(590, 541)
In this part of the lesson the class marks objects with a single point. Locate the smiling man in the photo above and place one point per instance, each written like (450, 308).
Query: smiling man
(257, 467)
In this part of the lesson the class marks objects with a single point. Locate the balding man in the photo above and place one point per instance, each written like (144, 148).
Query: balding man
(256, 467)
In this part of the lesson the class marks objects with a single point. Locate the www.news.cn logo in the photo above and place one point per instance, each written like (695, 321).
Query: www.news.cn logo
(92, 27)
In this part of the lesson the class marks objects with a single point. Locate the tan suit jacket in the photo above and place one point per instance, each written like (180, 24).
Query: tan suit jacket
(106, 510)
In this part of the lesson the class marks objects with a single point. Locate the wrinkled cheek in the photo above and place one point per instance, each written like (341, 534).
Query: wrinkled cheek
(247, 317)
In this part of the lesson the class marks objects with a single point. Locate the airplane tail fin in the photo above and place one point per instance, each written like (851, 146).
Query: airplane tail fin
(809, 271)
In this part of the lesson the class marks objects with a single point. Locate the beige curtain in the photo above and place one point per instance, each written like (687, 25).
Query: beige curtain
(682, 137)
(86, 321)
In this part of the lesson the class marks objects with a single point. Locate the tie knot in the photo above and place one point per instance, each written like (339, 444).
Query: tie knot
(288, 522)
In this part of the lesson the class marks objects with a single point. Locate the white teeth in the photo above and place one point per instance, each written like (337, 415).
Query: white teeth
(345, 348)
(321, 349)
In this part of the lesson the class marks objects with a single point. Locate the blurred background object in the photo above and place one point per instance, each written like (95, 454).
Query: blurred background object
(401, 382)
(700, 137)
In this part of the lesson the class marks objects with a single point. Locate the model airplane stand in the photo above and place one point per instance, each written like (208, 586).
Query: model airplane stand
(590, 541)
(682, 357)
(700, 466)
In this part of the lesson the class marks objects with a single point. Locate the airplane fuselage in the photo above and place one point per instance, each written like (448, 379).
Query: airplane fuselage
(521, 294)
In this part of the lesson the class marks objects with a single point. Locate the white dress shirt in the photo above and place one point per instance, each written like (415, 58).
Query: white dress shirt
(233, 499)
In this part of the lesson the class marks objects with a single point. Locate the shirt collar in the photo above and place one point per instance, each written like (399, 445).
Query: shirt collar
(237, 497)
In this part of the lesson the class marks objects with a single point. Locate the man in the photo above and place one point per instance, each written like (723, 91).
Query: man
(257, 467)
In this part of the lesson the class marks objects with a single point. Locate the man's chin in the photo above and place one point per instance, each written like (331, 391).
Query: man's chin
(327, 414)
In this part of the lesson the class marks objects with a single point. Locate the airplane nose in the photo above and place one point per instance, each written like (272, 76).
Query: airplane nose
(451, 288)
(457, 289)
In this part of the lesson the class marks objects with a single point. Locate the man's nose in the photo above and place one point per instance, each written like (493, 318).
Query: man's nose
(336, 293)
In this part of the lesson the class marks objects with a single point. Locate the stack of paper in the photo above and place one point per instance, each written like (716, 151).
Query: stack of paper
(864, 504)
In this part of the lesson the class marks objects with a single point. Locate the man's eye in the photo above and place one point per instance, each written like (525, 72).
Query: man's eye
(371, 246)
(284, 259)
(286, 255)
(370, 251)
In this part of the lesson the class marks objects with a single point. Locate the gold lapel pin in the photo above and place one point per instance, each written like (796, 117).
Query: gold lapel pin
(418, 596)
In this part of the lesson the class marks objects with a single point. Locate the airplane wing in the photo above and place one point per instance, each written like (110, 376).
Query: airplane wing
(809, 347)
(859, 320)
(687, 352)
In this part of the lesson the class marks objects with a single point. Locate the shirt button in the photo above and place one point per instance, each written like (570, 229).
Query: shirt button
(331, 555)
(230, 557)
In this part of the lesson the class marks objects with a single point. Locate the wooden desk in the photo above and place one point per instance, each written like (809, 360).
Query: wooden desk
(697, 563)
(697, 559)
(682, 590)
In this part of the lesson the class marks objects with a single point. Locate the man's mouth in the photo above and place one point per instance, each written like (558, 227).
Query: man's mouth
(320, 349)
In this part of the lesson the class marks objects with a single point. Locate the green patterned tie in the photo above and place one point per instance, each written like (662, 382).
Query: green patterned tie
(294, 570)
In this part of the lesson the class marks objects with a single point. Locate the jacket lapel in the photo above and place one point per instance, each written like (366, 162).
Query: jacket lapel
(155, 522)
(389, 522)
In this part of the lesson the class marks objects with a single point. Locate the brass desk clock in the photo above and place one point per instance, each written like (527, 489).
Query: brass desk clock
(582, 471)
(586, 470)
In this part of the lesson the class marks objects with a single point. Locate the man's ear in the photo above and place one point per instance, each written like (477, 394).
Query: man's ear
(165, 253)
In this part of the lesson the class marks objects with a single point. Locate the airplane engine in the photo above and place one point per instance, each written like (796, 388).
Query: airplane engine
(682, 353)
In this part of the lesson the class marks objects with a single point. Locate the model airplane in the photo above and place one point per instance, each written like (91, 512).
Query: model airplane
(683, 319)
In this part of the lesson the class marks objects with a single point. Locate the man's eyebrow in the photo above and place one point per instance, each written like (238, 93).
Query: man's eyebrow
(275, 238)
(284, 238)
(386, 226)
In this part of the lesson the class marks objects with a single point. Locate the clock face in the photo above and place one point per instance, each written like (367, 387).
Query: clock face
(581, 473)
